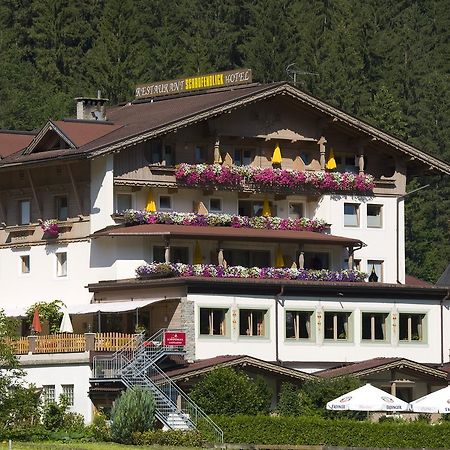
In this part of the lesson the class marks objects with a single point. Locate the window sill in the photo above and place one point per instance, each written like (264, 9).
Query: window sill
(212, 336)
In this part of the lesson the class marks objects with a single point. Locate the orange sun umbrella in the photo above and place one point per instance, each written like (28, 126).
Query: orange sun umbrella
(36, 324)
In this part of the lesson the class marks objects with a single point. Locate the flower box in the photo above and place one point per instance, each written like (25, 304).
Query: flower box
(51, 228)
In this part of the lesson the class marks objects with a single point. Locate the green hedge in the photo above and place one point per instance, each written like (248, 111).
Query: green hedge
(317, 431)
(171, 437)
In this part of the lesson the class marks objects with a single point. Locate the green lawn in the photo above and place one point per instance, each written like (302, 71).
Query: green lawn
(84, 446)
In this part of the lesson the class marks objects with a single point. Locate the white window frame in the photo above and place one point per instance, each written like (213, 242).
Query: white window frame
(376, 262)
(336, 338)
(265, 323)
(358, 213)
(215, 210)
(68, 391)
(21, 264)
(159, 202)
(116, 201)
(421, 331)
(296, 203)
(380, 215)
(60, 271)
(296, 336)
(48, 389)
(21, 215)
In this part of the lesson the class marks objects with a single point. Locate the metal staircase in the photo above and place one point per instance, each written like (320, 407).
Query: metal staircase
(136, 365)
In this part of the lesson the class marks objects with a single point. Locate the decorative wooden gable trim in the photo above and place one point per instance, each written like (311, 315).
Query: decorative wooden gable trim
(48, 129)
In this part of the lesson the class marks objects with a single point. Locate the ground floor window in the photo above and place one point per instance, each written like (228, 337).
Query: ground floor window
(298, 324)
(67, 393)
(336, 325)
(213, 321)
(48, 394)
(374, 326)
(252, 322)
(411, 327)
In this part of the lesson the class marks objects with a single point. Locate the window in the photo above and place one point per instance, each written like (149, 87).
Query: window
(296, 210)
(242, 156)
(356, 264)
(375, 270)
(177, 254)
(48, 394)
(215, 204)
(67, 393)
(157, 153)
(212, 321)
(411, 327)
(346, 163)
(253, 208)
(247, 258)
(61, 264)
(62, 207)
(316, 260)
(336, 325)
(351, 215)
(24, 211)
(124, 201)
(200, 154)
(404, 393)
(25, 263)
(374, 219)
(374, 326)
(252, 322)
(165, 202)
(306, 157)
(298, 324)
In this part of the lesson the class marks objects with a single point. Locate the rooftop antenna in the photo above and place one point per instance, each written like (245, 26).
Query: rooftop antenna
(293, 71)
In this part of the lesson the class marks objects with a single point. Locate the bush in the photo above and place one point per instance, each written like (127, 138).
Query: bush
(226, 391)
(99, 429)
(269, 430)
(53, 417)
(133, 411)
(25, 433)
(172, 438)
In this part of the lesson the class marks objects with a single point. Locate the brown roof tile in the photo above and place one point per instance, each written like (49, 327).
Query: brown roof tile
(82, 132)
(11, 142)
(413, 281)
(236, 234)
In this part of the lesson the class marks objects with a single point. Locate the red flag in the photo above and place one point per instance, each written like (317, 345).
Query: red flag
(36, 325)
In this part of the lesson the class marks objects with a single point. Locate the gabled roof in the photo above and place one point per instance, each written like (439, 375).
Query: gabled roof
(75, 133)
(13, 141)
(204, 366)
(444, 279)
(137, 122)
(375, 365)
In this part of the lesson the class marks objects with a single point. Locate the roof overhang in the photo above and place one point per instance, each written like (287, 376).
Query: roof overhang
(227, 233)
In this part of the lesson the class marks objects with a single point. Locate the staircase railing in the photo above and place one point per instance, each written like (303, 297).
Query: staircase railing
(136, 365)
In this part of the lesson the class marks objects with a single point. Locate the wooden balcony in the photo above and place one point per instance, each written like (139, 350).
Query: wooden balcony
(70, 343)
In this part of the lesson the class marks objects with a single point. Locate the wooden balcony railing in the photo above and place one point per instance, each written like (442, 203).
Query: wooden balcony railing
(70, 343)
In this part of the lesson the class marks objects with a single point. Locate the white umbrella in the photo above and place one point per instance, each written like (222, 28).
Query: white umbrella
(436, 402)
(66, 324)
(367, 398)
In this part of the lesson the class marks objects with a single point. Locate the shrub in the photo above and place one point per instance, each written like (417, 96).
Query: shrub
(226, 391)
(172, 437)
(99, 429)
(133, 411)
(53, 417)
(270, 430)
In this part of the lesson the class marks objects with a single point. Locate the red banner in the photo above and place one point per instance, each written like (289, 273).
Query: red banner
(174, 338)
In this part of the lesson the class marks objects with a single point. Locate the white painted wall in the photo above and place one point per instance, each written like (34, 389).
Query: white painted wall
(318, 349)
(59, 369)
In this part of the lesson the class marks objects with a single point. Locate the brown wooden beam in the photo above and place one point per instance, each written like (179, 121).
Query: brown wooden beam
(75, 192)
(30, 179)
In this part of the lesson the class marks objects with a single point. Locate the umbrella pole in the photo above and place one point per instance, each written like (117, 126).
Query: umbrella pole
(99, 322)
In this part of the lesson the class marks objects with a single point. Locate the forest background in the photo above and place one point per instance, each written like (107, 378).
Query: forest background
(385, 61)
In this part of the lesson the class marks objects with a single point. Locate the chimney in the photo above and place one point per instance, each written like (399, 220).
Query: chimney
(91, 108)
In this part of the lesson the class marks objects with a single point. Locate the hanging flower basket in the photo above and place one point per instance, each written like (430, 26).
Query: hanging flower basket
(50, 228)
(155, 270)
(137, 217)
(204, 175)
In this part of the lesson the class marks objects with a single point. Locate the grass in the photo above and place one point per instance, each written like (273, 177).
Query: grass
(84, 446)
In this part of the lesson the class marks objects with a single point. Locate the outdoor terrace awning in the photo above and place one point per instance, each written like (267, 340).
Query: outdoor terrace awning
(227, 233)
(110, 307)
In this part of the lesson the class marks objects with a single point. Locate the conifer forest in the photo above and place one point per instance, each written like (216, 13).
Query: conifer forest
(385, 61)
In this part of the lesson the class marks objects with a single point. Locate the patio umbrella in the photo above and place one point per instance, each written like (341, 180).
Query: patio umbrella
(150, 206)
(367, 398)
(436, 402)
(276, 157)
(331, 163)
(197, 259)
(36, 324)
(66, 323)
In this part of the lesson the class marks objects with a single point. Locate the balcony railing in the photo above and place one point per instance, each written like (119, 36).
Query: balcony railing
(70, 343)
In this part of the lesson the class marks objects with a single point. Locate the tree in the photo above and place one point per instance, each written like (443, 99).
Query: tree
(133, 411)
(19, 404)
(227, 391)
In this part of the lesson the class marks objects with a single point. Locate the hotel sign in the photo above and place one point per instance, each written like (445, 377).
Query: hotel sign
(199, 82)
(174, 338)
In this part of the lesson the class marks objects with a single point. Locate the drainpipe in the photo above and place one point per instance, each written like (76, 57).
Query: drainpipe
(401, 197)
(442, 325)
(281, 302)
